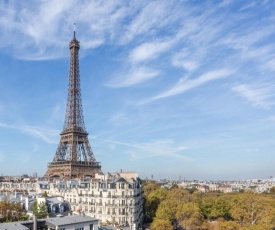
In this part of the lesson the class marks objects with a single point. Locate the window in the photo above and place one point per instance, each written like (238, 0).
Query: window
(82, 228)
(91, 227)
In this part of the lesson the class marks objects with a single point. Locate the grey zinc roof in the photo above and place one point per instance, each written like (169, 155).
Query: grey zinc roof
(122, 180)
(67, 220)
(53, 200)
(13, 226)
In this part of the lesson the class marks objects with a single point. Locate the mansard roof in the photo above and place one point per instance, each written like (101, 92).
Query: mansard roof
(122, 180)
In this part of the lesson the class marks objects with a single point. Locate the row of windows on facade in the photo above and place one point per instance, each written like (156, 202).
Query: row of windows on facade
(109, 211)
(81, 228)
(113, 193)
(98, 185)
(93, 201)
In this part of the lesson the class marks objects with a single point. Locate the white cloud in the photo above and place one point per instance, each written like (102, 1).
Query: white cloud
(149, 51)
(154, 149)
(44, 27)
(118, 117)
(137, 75)
(185, 60)
(46, 135)
(261, 95)
(150, 18)
(40, 133)
(185, 84)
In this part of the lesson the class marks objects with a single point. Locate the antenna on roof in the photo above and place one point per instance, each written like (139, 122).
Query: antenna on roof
(74, 30)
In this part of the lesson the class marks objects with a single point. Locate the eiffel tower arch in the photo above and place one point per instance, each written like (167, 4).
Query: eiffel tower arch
(74, 157)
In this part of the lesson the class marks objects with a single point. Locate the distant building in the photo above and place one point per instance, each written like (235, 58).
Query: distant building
(56, 205)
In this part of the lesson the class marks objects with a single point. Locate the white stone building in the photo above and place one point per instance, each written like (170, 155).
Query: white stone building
(114, 198)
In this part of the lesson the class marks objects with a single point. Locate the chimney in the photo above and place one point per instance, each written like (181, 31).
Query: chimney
(27, 203)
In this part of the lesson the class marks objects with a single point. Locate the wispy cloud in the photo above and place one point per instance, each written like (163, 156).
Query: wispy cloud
(56, 113)
(261, 95)
(186, 60)
(136, 75)
(185, 84)
(150, 18)
(154, 149)
(40, 133)
(149, 51)
(46, 135)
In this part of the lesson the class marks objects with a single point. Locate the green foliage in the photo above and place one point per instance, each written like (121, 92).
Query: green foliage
(191, 190)
(176, 207)
(11, 211)
(179, 194)
(272, 190)
(159, 224)
(246, 208)
(40, 210)
(150, 187)
(45, 194)
(189, 216)
(229, 225)
(152, 202)
(214, 208)
(167, 210)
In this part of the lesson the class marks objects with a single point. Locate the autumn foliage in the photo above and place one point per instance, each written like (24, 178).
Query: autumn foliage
(177, 208)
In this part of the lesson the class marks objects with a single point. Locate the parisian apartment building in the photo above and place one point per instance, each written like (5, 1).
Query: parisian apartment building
(113, 198)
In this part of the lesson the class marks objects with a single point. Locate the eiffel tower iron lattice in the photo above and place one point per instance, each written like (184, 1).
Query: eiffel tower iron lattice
(74, 157)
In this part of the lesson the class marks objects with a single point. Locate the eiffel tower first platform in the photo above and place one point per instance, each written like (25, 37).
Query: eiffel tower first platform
(74, 157)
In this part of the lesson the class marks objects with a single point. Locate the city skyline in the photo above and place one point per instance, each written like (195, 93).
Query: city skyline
(168, 88)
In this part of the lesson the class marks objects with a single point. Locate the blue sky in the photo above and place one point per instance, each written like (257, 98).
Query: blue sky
(169, 88)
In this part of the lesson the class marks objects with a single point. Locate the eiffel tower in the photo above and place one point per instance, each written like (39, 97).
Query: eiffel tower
(74, 157)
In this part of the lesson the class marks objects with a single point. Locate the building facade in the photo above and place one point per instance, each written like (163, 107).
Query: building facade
(114, 198)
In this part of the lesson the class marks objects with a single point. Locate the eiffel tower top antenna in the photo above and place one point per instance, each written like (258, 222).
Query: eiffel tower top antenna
(74, 119)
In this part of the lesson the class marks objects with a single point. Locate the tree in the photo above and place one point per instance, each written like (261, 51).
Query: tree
(159, 224)
(272, 190)
(250, 208)
(152, 202)
(220, 209)
(179, 194)
(11, 211)
(229, 225)
(189, 216)
(150, 187)
(40, 210)
(45, 194)
(206, 207)
(167, 210)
